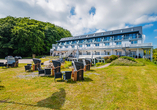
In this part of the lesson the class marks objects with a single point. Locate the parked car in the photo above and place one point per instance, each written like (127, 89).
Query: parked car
(18, 57)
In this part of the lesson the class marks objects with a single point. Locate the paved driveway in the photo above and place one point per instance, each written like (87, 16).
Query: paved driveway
(20, 61)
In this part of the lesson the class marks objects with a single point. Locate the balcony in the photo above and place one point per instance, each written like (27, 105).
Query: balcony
(105, 47)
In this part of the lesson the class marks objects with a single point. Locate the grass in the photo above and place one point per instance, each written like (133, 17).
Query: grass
(113, 87)
(47, 58)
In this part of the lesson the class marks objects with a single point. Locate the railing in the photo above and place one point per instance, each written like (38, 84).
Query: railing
(103, 46)
(102, 40)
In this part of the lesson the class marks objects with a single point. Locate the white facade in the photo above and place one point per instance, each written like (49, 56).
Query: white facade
(123, 42)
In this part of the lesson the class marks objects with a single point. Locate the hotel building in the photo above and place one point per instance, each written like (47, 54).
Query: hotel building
(123, 42)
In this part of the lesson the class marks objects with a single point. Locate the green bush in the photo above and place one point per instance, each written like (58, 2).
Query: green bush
(99, 63)
(110, 58)
(128, 58)
(113, 57)
(105, 58)
(108, 61)
(155, 62)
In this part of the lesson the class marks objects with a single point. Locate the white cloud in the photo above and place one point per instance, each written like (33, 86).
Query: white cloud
(145, 19)
(155, 30)
(148, 25)
(100, 30)
(110, 14)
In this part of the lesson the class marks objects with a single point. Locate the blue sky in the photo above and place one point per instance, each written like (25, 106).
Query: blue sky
(88, 16)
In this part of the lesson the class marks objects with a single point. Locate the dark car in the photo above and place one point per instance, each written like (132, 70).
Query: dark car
(18, 57)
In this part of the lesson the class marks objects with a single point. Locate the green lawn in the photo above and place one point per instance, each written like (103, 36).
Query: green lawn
(113, 87)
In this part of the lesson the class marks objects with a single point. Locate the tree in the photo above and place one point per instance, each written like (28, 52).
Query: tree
(25, 36)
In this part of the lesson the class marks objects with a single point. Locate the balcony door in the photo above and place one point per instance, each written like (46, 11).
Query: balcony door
(119, 53)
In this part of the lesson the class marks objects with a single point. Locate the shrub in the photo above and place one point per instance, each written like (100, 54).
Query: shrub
(126, 62)
(118, 56)
(113, 57)
(105, 58)
(155, 62)
(128, 58)
(108, 61)
(99, 63)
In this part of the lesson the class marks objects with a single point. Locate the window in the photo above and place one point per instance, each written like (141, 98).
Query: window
(134, 42)
(89, 40)
(66, 46)
(97, 44)
(73, 46)
(119, 53)
(68, 42)
(97, 39)
(60, 46)
(119, 37)
(107, 53)
(106, 38)
(107, 44)
(134, 36)
(97, 53)
(81, 41)
(80, 45)
(74, 42)
(88, 53)
(88, 45)
(110, 32)
(126, 36)
(118, 43)
(62, 43)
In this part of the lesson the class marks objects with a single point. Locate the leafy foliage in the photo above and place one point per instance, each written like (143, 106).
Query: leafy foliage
(105, 58)
(113, 57)
(25, 36)
(99, 63)
(128, 58)
(155, 54)
(109, 59)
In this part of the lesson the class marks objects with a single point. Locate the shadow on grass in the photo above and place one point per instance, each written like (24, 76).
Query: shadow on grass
(2, 87)
(87, 79)
(9, 67)
(56, 101)
(70, 81)
(91, 71)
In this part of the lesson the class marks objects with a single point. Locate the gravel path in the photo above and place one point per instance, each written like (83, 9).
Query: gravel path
(20, 61)
(46, 63)
(103, 66)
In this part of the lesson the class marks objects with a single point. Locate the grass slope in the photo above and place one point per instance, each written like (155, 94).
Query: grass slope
(113, 87)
